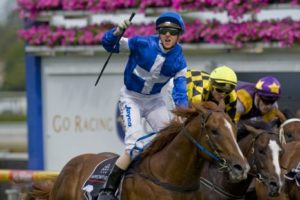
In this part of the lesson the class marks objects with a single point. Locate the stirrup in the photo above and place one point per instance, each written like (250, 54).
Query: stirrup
(106, 195)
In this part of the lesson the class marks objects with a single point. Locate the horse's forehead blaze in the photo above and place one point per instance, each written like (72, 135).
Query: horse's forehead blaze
(275, 149)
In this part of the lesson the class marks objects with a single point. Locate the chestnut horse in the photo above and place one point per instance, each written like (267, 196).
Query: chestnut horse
(262, 149)
(289, 132)
(289, 161)
(170, 167)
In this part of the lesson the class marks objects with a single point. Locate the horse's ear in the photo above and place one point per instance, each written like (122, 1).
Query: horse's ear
(251, 129)
(221, 105)
(281, 116)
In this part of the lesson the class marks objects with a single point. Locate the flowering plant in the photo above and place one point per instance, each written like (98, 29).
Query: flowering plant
(234, 8)
(286, 32)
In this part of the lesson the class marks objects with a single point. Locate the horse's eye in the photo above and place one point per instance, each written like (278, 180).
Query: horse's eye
(214, 131)
(289, 135)
(261, 151)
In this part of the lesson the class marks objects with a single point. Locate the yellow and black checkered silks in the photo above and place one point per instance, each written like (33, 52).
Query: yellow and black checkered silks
(199, 87)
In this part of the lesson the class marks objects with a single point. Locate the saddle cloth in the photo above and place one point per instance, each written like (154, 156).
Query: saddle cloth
(98, 177)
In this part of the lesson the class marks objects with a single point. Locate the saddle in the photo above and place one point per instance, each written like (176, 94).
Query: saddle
(95, 182)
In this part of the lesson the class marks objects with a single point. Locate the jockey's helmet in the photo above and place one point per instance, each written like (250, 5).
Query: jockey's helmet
(223, 78)
(170, 20)
(268, 88)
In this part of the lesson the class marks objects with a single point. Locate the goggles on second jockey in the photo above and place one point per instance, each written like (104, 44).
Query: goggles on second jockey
(172, 31)
(224, 88)
(268, 100)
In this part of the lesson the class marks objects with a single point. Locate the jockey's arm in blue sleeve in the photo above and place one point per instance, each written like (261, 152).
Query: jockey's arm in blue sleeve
(179, 93)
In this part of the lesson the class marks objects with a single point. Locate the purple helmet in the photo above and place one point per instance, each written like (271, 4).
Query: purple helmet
(268, 87)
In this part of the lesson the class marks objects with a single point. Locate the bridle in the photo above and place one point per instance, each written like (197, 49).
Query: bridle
(252, 163)
(212, 154)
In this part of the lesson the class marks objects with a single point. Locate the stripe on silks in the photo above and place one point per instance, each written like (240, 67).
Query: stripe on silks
(294, 174)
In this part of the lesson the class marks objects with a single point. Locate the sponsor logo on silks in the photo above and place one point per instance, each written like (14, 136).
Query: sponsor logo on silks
(128, 115)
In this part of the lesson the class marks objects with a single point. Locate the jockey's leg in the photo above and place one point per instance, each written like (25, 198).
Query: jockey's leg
(114, 178)
(158, 118)
(130, 112)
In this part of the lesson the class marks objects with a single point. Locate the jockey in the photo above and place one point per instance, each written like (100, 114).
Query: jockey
(217, 85)
(152, 62)
(258, 101)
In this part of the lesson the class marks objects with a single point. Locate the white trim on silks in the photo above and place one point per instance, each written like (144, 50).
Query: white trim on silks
(141, 144)
(281, 131)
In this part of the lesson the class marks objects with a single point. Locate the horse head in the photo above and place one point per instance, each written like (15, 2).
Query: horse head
(217, 136)
(263, 155)
(289, 129)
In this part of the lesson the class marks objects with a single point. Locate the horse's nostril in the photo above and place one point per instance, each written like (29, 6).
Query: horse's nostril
(274, 185)
(237, 167)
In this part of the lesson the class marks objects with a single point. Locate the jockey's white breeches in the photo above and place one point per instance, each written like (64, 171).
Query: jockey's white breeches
(133, 107)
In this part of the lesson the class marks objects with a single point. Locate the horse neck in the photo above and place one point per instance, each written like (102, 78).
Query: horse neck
(178, 162)
(246, 145)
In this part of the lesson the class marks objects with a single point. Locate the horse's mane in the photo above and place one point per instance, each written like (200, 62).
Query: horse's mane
(167, 134)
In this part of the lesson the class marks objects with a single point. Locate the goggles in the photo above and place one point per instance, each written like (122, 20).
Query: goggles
(221, 91)
(224, 88)
(268, 100)
(172, 31)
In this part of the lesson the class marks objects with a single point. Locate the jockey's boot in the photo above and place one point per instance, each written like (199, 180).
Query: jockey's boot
(111, 185)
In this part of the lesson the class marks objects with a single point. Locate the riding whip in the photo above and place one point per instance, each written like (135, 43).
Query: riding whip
(108, 58)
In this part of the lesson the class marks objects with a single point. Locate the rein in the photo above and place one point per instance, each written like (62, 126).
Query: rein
(171, 187)
(165, 185)
(219, 190)
(200, 147)
(214, 155)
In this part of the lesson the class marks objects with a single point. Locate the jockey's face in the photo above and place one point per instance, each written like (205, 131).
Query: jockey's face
(264, 106)
(218, 94)
(168, 37)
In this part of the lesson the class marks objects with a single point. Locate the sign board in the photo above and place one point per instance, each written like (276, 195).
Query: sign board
(78, 117)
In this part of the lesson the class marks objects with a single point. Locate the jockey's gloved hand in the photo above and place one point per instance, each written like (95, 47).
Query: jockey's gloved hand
(121, 27)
